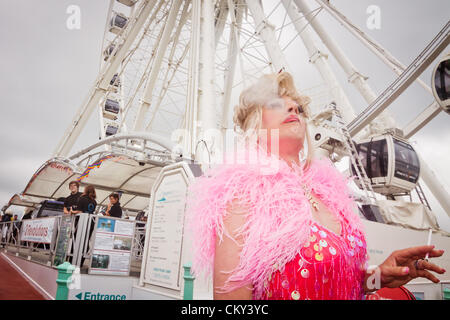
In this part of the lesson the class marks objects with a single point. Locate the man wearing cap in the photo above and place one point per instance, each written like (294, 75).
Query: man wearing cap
(70, 204)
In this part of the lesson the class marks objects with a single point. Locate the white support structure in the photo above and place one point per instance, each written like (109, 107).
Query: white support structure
(437, 189)
(171, 65)
(442, 196)
(431, 111)
(102, 82)
(370, 43)
(358, 80)
(150, 60)
(221, 19)
(233, 52)
(148, 91)
(319, 60)
(266, 32)
(421, 120)
(354, 76)
(189, 123)
(423, 60)
(206, 115)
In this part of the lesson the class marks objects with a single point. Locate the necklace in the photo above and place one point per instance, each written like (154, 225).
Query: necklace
(312, 201)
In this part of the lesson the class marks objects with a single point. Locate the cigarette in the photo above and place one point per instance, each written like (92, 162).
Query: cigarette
(430, 232)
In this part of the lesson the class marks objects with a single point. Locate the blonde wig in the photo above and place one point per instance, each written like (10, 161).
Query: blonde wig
(267, 92)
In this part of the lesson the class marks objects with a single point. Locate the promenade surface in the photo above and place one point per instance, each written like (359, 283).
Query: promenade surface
(14, 285)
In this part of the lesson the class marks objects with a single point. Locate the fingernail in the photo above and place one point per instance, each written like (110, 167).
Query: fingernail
(406, 270)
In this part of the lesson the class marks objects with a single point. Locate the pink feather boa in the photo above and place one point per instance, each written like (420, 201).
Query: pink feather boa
(279, 214)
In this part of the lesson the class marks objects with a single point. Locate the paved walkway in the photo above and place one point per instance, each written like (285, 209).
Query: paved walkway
(13, 285)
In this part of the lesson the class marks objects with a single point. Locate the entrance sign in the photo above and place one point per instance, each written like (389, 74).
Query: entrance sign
(164, 246)
(38, 230)
(113, 242)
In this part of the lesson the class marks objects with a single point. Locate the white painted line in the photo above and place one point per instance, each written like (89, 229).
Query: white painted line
(28, 277)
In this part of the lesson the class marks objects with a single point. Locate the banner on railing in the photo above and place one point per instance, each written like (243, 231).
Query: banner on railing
(38, 230)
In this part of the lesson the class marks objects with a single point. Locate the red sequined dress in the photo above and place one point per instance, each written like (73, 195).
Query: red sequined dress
(328, 267)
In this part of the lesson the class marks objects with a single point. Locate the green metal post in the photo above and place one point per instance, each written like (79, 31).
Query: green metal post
(188, 282)
(65, 271)
(446, 294)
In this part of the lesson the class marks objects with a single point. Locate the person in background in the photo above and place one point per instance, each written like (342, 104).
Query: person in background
(86, 202)
(26, 216)
(114, 209)
(7, 217)
(70, 203)
(16, 226)
(140, 228)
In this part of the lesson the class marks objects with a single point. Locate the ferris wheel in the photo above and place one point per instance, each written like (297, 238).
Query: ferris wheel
(171, 65)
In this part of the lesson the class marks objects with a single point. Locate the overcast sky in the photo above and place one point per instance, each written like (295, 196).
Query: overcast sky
(47, 70)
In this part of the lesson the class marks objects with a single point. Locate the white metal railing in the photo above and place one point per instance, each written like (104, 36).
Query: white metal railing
(80, 244)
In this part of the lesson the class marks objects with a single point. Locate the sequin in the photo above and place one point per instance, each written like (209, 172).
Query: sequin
(295, 295)
(319, 256)
(308, 253)
(322, 269)
(314, 228)
(322, 234)
(305, 273)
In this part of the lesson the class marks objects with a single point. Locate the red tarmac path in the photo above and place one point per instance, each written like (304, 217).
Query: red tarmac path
(13, 285)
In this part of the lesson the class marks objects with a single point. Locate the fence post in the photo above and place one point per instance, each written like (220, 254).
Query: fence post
(188, 282)
(65, 271)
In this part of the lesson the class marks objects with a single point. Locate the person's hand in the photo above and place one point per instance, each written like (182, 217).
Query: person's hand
(401, 266)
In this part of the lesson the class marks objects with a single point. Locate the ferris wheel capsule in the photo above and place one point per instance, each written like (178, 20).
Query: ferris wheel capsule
(111, 109)
(108, 51)
(111, 129)
(391, 164)
(128, 3)
(117, 23)
(115, 83)
(440, 83)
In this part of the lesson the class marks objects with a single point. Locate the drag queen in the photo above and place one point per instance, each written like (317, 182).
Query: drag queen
(273, 222)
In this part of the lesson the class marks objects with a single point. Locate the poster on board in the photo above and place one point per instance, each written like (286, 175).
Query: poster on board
(62, 243)
(112, 247)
